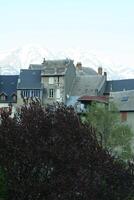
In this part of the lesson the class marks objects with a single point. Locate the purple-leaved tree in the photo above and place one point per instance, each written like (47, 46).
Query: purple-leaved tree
(50, 155)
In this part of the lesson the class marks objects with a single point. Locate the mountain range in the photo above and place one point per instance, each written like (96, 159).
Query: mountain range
(13, 60)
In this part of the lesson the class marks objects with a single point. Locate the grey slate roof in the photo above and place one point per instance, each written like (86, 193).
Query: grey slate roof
(57, 63)
(29, 79)
(86, 71)
(53, 67)
(36, 66)
(123, 100)
(119, 85)
(87, 85)
(8, 86)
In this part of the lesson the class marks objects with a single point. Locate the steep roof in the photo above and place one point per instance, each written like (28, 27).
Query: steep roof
(8, 86)
(86, 71)
(29, 79)
(87, 85)
(119, 85)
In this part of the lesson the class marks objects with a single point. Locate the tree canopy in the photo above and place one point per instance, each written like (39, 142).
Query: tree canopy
(110, 131)
(50, 155)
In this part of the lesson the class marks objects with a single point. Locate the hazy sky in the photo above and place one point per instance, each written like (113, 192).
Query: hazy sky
(105, 26)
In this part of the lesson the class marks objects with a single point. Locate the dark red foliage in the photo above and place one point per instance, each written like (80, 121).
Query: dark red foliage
(50, 155)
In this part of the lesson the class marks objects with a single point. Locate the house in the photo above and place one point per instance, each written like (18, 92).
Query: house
(29, 86)
(57, 78)
(119, 85)
(62, 81)
(8, 91)
(87, 83)
(121, 93)
(58, 81)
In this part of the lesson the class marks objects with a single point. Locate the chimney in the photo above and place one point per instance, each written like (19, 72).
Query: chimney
(99, 70)
(44, 60)
(79, 66)
(105, 74)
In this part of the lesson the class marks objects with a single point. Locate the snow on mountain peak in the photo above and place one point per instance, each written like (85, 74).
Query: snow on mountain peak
(12, 61)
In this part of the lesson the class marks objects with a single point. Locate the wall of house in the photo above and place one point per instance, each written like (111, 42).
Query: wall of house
(3, 105)
(58, 89)
(69, 79)
(123, 100)
(128, 118)
(20, 100)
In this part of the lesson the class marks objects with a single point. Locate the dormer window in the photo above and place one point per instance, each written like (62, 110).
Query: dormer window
(3, 97)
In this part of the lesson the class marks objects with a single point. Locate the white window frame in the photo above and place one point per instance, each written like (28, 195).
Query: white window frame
(58, 93)
(51, 93)
(51, 80)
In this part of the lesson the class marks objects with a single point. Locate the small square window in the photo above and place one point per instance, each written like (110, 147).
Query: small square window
(124, 98)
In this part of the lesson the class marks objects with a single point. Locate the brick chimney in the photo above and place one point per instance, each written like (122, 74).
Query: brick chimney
(79, 66)
(99, 70)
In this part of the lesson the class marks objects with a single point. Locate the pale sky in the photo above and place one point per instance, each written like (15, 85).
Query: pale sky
(105, 26)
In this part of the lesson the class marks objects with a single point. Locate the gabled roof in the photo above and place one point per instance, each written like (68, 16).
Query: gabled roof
(119, 85)
(29, 79)
(87, 85)
(8, 86)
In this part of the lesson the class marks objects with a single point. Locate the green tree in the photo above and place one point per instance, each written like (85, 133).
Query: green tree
(111, 133)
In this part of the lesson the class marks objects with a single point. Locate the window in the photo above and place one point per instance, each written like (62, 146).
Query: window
(37, 93)
(51, 93)
(123, 116)
(124, 98)
(3, 97)
(25, 93)
(51, 80)
(58, 93)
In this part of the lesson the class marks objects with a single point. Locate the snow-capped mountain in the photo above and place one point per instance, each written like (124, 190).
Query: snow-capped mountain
(12, 61)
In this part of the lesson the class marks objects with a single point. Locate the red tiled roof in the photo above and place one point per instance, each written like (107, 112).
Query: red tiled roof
(102, 99)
